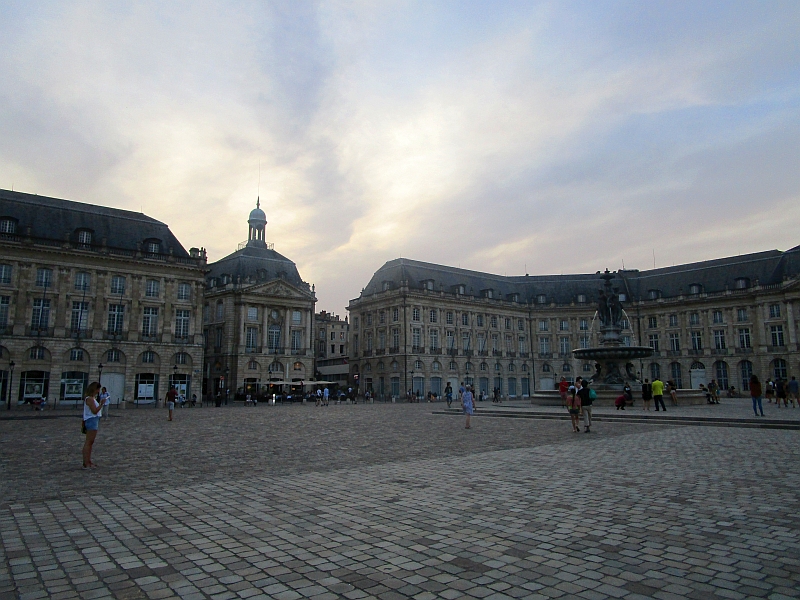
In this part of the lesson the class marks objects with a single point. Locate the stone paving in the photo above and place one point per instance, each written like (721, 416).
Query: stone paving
(393, 502)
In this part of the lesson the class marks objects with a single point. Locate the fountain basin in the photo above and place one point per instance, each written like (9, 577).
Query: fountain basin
(614, 352)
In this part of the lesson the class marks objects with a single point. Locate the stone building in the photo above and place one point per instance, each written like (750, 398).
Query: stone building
(85, 288)
(419, 326)
(332, 338)
(258, 317)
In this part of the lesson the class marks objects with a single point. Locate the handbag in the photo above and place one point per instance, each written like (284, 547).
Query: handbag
(83, 427)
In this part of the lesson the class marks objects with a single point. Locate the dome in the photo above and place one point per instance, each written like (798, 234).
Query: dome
(257, 215)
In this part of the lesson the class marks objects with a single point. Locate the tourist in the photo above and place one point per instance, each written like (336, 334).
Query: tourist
(170, 401)
(468, 403)
(780, 393)
(326, 394)
(91, 422)
(755, 394)
(620, 402)
(105, 397)
(673, 392)
(628, 393)
(647, 394)
(770, 391)
(574, 407)
(563, 386)
(794, 391)
(448, 394)
(587, 397)
(713, 389)
(658, 393)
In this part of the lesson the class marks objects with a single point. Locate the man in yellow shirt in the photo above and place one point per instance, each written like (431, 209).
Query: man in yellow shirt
(658, 393)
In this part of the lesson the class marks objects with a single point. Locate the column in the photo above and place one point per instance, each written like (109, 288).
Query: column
(790, 324)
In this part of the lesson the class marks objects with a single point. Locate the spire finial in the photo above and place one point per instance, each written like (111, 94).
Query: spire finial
(258, 202)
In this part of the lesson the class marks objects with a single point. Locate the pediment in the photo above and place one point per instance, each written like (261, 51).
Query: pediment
(279, 289)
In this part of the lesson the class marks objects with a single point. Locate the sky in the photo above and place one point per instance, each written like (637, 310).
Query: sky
(505, 137)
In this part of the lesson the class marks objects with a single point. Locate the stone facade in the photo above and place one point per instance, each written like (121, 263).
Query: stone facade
(418, 325)
(258, 318)
(332, 339)
(83, 286)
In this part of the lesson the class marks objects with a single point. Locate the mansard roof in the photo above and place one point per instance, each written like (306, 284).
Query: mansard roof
(57, 219)
(256, 263)
(718, 275)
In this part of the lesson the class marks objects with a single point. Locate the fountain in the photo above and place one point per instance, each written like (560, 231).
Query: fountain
(612, 359)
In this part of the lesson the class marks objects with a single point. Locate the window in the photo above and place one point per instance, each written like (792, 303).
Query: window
(563, 345)
(744, 338)
(719, 340)
(433, 315)
(746, 371)
(184, 291)
(76, 354)
(774, 311)
(626, 340)
(395, 315)
(584, 324)
(220, 310)
(252, 313)
(653, 294)
(80, 316)
(545, 368)
(116, 313)
(541, 299)
(544, 345)
(674, 342)
(368, 344)
(82, 281)
(583, 341)
(717, 317)
(8, 226)
(112, 355)
(480, 320)
(418, 365)
(341, 348)
(273, 338)
(694, 319)
(4, 305)
(624, 324)
(695, 288)
(673, 320)
(465, 319)
(181, 358)
(151, 288)
(117, 284)
(495, 342)
(675, 371)
(382, 317)
(152, 246)
(415, 314)
(428, 284)
(182, 324)
(381, 340)
(488, 293)
(396, 338)
(297, 341)
(40, 318)
(453, 365)
(37, 353)
(587, 367)
(84, 238)
(5, 274)
(498, 367)
(741, 315)
(722, 375)
(581, 298)
(481, 342)
(149, 321)
(251, 339)
(652, 322)
(563, 325)
(449, 317)
(484, 367)
(44, 278)
(148, 357)
(655, 371)
(741, 283)
(523, 344)
(779, 368)
(450, 339)
(520, 325)
(697, 340)
(297, 316)
(436, 366)
(493, 321)
(507, 323)
(543, 325)
(355, 322)
(218, 338)
(387, 285)
(776, 331)
(416, 338)
(653, 341)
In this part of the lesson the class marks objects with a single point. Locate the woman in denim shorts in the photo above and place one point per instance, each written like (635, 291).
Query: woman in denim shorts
(91, 421)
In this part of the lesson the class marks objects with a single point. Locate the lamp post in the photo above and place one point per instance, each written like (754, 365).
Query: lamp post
(227, 384)
(100, 373)
(10, 383)
(413, 391)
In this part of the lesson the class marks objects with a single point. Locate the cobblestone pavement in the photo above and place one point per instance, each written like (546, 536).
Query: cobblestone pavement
(393, 502)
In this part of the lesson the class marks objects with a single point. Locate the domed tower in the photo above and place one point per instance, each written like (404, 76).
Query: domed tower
(257, 222)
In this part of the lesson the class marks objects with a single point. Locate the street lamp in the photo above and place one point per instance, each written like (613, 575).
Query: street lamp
(227, 384)
(10, 382)
(100, 373)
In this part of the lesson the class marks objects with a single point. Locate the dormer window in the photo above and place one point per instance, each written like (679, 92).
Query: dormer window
(8, 225)
(84, 238)
(623, 298)
(653, 294)
(695, 288)
(152, 246)
(427, 284)
(459, 289)
(487, 293)
(541, 299)
(581, 298)
(513, 297)
(387, 285)
(741, 283)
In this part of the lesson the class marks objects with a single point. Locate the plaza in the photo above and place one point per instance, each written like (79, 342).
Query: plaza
(393, 501)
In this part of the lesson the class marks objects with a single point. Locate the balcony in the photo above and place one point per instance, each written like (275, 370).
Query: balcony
(39, 331)
(435, 350)
(78, 333)
(298, 351)
(252, 350)
(483, 353)
(394, 350)
(380, 351)
(274, 350)
(524, 354)
(511, 353)
(417, 349)
(116, 335)
(744, 350)
(366, 353)
(466, 353)
(720, 352)
(452, 352)
(181, 339)
(496, 352)
(154, 338)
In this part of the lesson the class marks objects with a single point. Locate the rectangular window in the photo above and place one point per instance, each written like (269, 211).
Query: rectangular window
(112, 355)
(433, 315)
(544, 345)
(481, 342)
(694, 319)
(543, 325)
(466, 340)
(495, 342)
(493, 321)
(36, 353)
(717, 317)
(395, 338)
(80, 316)
(776, 331)
(719, 339)
(184, 291)
(116, 313)
(520, 325)
(150, 321)
(368, 341)
(434, 335)
(563, 325)
(381, 340)
(416, 337)
(523, 344)
(117, 285)
(450, 318)
(5, 274)
(673, 320)
(626, 340)
(563, 345)
(450, 339)
(40, 318)
(182, 324)
(465, 319)
(625, 324)
(148, 356)
(219, 335)
(251, 338)
(220, 310)
(341, 348)
(675, 342)
(415, 314)
(297, 316)
(5, 302)
(273, 338)
(76, 354)
(82, 281)
(583, 341)
(744, 338)
(774, 311)
(741, 315)
(395, 315)
(44, 278)
(653, 341)
(652, 322)
(297, 340)
(507, 323)
(151, 288)
(697, 340)
(252, 313)
(480, 320)
(584, 325)
(382, 317)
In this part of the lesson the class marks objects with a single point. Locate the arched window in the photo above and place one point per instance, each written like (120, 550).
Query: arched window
(484, 366)
(511, 367)
(587, 368)
(418, 365)
(498, 367)
(779, 368)
(697, 366)
(453, 365)
(746, 372)
(566, 368)
(276, 367)
(545, 368)
(677, 376)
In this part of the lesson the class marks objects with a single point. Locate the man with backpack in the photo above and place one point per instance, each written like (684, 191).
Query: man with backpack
(587, 397)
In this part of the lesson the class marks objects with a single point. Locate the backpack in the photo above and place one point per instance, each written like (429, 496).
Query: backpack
(592, 394)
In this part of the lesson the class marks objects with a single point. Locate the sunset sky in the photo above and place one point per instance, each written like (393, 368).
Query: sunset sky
(547, 137)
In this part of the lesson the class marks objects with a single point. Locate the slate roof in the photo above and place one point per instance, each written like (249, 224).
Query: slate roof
(55, 219)
(259, 263)
(716, 275)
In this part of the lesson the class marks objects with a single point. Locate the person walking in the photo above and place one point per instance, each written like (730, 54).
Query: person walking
(468, 402)
(170, 400)
(794, 391)
(448, 394)
(105, 396)
(326, 395)
(563, 387)
(755, 394)
(780, 392)
(574, 407)
(770, 391)
(587, 397)
(658, 393)
(647, 394)
(91, 421)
